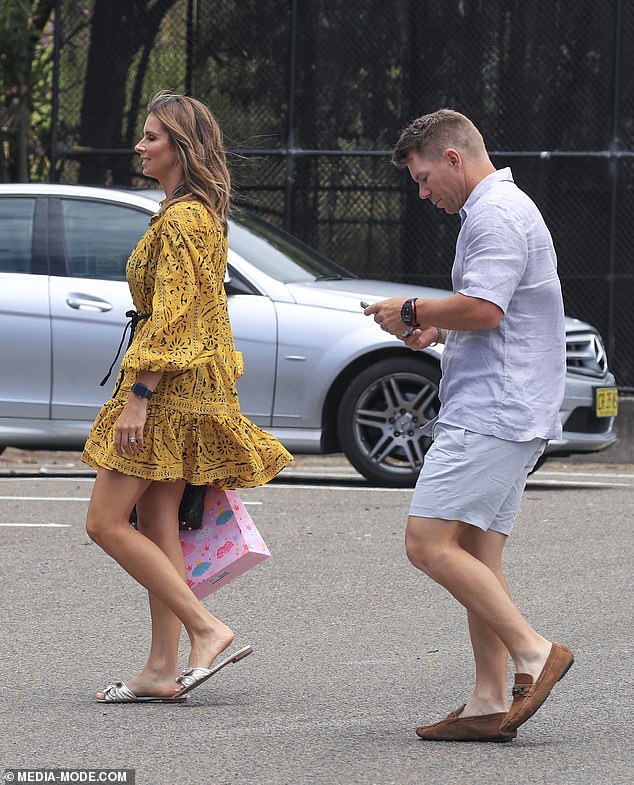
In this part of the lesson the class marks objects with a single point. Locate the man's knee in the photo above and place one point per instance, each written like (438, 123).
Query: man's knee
(425, 543)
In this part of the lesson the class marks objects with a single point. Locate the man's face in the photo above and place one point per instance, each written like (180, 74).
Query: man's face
(441, 180)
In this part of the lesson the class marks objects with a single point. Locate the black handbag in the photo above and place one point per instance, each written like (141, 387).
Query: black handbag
(190, 512)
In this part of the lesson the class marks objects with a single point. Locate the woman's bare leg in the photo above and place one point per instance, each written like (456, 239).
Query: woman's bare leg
(114, 495)
(157, 514)
(157, 517)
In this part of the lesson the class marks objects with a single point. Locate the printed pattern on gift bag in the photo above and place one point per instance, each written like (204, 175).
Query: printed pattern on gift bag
(226, 545)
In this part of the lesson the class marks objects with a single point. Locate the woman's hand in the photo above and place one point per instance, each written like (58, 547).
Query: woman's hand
(129, 436)
(129, 429)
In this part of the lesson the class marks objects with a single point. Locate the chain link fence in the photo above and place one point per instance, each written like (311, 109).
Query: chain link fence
(312, 97)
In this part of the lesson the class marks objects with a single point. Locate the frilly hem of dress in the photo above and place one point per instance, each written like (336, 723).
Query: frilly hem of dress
(227, 452)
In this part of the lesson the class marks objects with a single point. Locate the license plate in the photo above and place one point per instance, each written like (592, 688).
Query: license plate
(606, 401)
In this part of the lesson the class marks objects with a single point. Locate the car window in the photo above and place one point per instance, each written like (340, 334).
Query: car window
(99, 237)
(279, 254)
(16, 234)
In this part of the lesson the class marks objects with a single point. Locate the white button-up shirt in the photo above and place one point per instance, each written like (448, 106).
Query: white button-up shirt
(509, 381)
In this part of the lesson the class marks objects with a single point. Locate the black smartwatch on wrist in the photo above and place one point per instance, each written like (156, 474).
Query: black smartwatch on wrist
(408, 312)
(142, 391)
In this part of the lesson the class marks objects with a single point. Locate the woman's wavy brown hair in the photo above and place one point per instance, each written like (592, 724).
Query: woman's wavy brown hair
(197, 138)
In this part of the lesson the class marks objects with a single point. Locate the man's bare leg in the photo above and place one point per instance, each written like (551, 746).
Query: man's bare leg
(433, 546)
(490, 693)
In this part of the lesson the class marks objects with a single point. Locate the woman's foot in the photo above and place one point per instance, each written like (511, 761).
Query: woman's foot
(150, 683)
(208, 644)
(190, 678)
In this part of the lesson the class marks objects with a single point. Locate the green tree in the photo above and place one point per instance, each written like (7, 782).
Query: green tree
(25, 74)
(108, 114)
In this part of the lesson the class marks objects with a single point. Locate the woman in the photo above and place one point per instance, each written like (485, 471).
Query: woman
(174, 416)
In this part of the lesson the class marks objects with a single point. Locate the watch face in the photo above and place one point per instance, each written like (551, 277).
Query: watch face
(406, 312)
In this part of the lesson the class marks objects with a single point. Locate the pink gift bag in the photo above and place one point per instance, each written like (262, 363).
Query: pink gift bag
(226, 545)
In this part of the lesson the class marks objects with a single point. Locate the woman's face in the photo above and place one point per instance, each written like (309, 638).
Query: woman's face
(158, 156)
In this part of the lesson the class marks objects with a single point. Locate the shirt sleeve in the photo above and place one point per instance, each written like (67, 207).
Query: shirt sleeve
(180, 334)
(495, 256)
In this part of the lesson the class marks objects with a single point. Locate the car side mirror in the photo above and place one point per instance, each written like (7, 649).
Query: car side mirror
(234, 285)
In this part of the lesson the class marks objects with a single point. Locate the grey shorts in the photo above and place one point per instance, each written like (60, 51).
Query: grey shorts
(474, 478)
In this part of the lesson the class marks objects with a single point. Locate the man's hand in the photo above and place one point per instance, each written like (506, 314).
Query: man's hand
(421, 338)
(387, 314)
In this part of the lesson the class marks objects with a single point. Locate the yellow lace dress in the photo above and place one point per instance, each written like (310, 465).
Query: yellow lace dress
(194, 429)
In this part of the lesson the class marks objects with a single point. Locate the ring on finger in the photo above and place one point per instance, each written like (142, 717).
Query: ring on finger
(407, 333)
(132, 439)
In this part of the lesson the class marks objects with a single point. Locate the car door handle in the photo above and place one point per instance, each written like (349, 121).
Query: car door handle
(86, 302)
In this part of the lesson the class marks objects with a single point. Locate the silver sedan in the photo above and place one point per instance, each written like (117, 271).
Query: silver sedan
(319, 375)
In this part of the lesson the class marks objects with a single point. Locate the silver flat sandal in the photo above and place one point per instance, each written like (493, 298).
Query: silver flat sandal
(191, 678)
(119, 692)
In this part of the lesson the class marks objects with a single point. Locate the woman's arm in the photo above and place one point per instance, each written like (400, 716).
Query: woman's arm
(131, 421)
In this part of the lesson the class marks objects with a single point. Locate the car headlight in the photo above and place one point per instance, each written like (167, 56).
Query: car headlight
(585, 354)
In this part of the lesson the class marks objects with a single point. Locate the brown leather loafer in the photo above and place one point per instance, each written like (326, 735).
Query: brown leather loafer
(484, 727)
(529, 696)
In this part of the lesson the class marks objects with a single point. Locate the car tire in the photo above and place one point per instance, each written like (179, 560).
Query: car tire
(380, 416)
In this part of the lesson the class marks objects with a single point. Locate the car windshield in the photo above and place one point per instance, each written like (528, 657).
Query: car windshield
(278, 254)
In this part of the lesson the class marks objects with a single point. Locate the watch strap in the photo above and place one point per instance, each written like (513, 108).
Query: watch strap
(142, 390)
(408, 312)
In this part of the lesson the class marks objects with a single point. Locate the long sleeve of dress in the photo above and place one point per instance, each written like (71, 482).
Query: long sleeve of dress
(183, 330)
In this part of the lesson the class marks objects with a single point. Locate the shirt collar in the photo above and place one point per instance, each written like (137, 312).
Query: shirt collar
(483, 186)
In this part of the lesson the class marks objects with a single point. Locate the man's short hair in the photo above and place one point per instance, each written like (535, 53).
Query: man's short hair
(433, 133)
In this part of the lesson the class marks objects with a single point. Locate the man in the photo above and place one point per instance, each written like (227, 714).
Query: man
(502, 385)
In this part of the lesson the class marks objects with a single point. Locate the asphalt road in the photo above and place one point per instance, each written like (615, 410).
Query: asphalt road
(353, 648)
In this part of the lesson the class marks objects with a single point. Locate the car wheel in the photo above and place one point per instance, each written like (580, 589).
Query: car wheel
(380, 417)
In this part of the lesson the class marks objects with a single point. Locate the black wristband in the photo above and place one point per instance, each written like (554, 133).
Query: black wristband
(142, 391)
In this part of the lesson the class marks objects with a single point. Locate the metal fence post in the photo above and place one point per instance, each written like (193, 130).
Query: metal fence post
(192, 12)
(57, 45)
(290, 138)
(615, 161)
